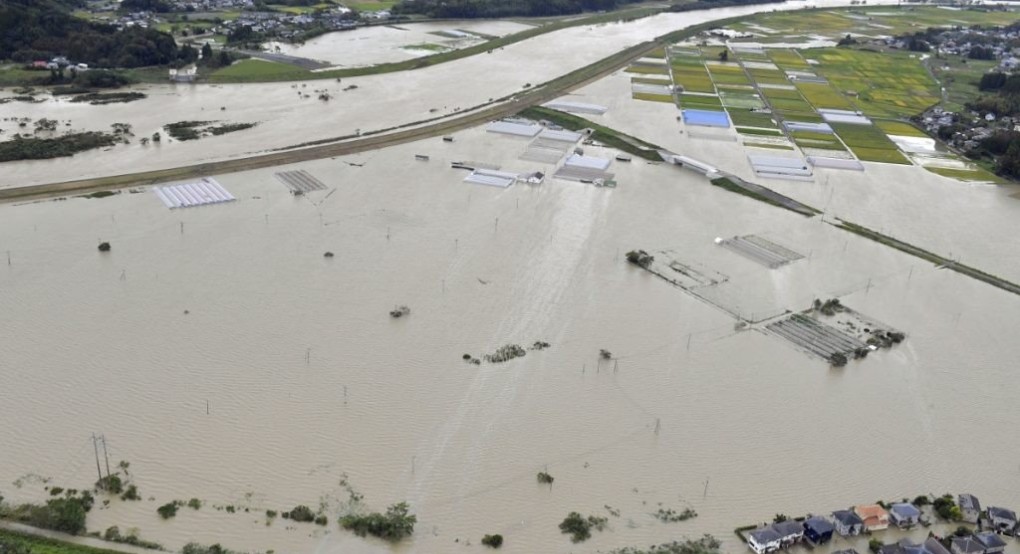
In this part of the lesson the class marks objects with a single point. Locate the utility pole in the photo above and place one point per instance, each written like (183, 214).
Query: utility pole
(95, 447)
(106, 455)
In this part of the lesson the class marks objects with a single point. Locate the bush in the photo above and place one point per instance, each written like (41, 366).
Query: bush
(65, 514)
(947, 509)
(394, 525)
(545, 478)
(493, 541)
(131, 493)
(111, 483)
(579, 527)
(169, 510)
(921, 501)
(874, 545)
(302, 513)
(195, 504)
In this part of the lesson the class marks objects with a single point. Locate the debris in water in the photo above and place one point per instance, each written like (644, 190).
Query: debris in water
(605, 354)
(540, 345)
(400, 311)
(104, 247)
(328, 254)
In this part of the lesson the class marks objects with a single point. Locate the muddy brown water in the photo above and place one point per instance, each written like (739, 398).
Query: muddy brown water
(275, 333)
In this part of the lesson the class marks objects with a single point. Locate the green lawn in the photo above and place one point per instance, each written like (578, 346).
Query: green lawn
(257, 70)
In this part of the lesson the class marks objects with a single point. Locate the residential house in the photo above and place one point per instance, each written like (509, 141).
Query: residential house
(1001, 519)
(847, 523)
(818, 529)
(933, 546)
(875, 517)
(790, 532)
(992, 542)
(904, 546)
(966, 545)
(903, 514)
(764, 540)
(970, 507)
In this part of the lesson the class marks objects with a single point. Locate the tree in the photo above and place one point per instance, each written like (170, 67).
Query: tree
(493, 541)
(394, 525)
(724, 55)
(224, 58)
(207, 52)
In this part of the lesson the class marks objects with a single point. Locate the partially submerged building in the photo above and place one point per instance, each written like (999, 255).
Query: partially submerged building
(992, 542)
(969, 507)
(847, 523)
(764, 541)
(818, 529)
(875, 517)
(1001, 519)
(903, 514)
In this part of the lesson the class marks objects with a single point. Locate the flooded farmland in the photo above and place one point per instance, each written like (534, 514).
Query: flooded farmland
(394, 43)
(311, 383)
(286, 118)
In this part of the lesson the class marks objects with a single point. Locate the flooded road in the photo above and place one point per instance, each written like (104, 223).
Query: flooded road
(309, 380)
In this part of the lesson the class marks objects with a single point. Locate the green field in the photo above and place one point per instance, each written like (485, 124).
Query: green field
(747, 118)
(881, 84)
(39, 545)
(869, 143)
(651, 81)
(960, 77)
(257, 70)
(371, 5)
(824, 96)
(899, 128)
(869, 21)
(652, 97)
(647, 70)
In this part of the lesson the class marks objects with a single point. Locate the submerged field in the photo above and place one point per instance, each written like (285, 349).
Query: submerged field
(312, 387)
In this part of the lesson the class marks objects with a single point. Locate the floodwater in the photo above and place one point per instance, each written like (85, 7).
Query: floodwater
(308, 379)
(394, 43)
(380, 101)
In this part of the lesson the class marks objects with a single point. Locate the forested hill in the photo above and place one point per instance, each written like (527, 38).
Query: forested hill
(503, 8)
(41, 29)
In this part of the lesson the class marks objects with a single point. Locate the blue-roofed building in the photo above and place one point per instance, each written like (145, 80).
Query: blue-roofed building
(764, 540)
(903, 514)
(992, 542)
(818, 529)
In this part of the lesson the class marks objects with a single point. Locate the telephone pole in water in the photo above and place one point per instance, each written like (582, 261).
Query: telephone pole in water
(95, 447)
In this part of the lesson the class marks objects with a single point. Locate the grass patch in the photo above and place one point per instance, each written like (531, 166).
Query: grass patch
(883, 155)
(33, 148)
(762, 132)
(40, 545)
(651, 81)
(768, 145)
(824, 96)
(605, 135)
(899, 128)
(647, 96)
(967, 175)
(747, 118)
(253, 70)
(647, 70)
